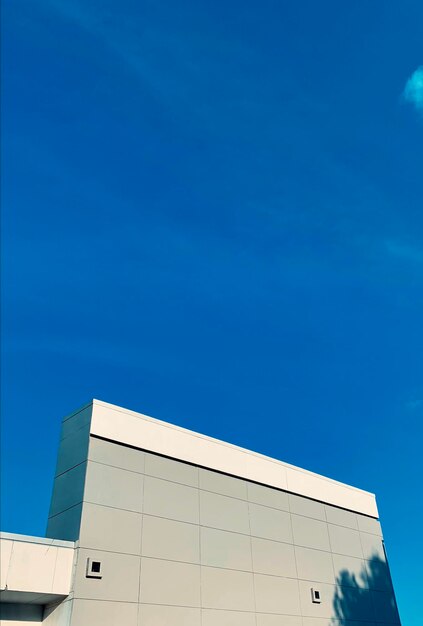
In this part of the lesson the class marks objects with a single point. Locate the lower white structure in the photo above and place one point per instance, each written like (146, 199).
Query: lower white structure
(154, 525)
(35, 573)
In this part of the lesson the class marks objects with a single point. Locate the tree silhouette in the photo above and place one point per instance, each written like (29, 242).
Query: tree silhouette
(368, 596)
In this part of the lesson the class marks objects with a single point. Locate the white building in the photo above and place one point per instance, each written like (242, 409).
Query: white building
(154, 525)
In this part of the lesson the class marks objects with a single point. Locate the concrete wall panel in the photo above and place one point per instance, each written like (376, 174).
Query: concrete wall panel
(224, 513)
(172, 500)
(272, 557)
(227, 589)
(116, 455)
(77, 421)
(221, 548)
(369, 525)
(306, 507)
(345, 541)
(384, 607)
(264, 619)
(350, 571)
(225, 485)
(169, 583)
(212, 617)
(101, 613)
(172, 470)
(310, 533)
(119, 580)
(372, 546)
(73, 450)
(259, 494)
(168, 539)
(66, 525)
(339, 517)
(277, 595)
(270, 523)
(107, 528)
(314, 565)
(68, 489)
(112, 486)
(159, 615)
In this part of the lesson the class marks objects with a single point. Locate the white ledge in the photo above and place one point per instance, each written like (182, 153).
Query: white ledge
(58, 543)
(147, 433)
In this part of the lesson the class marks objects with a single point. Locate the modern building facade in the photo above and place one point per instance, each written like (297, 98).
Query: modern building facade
(154, 525)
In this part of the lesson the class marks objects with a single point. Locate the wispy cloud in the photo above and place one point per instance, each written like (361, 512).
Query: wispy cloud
(413, 90)
(404, 251)
(414, 404)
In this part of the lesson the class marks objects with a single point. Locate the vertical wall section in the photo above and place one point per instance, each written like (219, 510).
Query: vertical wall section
(161, 541)
(69, 481)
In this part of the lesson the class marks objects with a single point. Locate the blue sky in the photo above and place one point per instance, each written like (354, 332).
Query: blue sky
(212, 213)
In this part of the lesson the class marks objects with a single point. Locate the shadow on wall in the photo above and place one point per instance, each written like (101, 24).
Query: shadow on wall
(367, 595)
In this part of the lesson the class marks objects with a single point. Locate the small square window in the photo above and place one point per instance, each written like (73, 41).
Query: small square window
(93, 569)
(315, 596)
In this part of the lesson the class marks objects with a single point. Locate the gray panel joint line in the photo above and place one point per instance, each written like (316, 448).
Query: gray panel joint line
(254, 482)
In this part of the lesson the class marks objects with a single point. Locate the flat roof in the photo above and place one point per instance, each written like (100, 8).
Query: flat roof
(147, 433)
